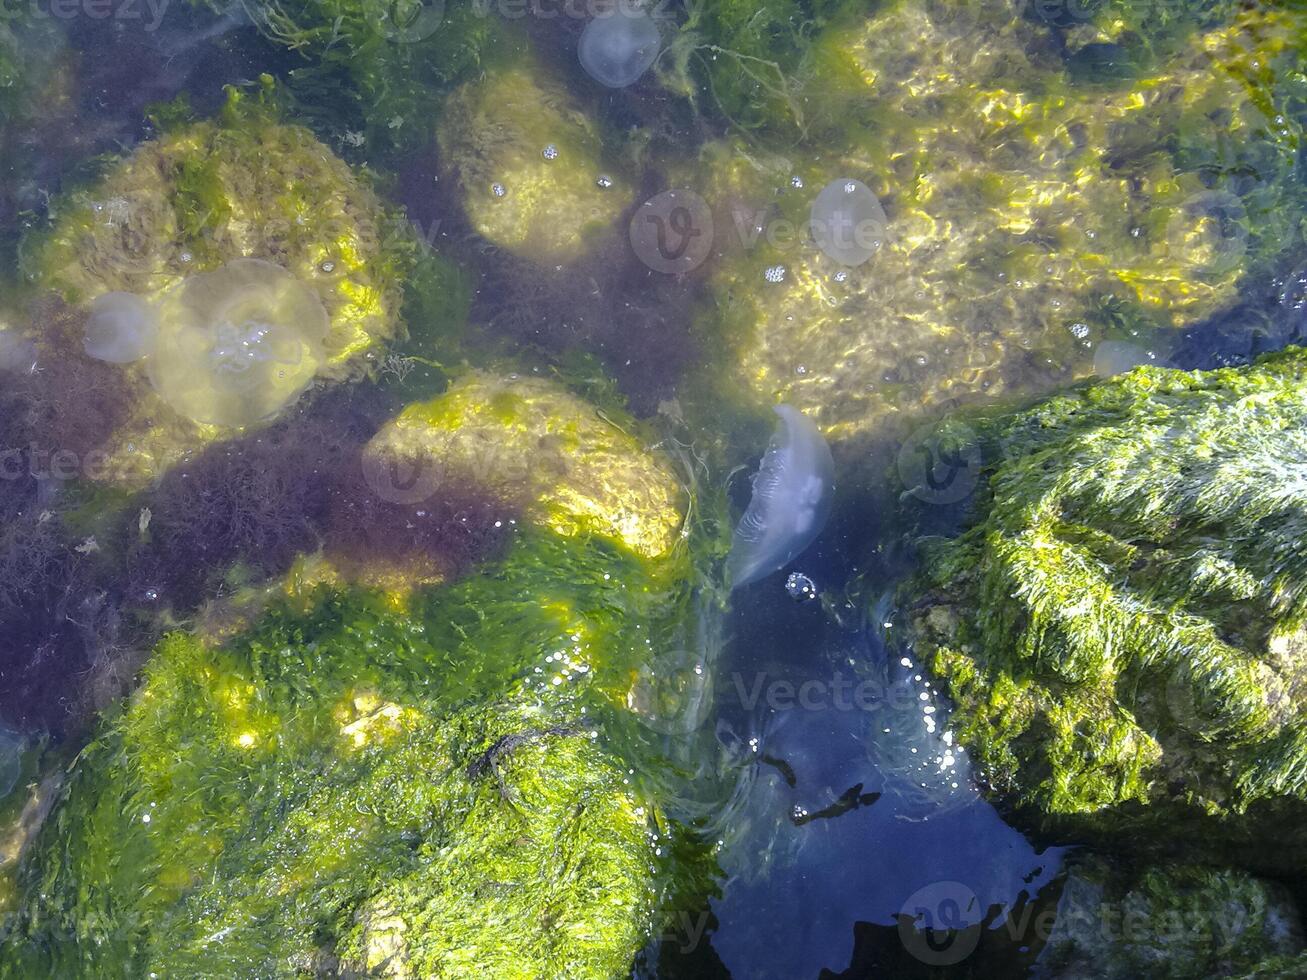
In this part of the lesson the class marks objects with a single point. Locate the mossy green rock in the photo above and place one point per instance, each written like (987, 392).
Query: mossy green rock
(1173, 922)
(545, 207)
(1031, 214)
(1123, 628)
(353, 789)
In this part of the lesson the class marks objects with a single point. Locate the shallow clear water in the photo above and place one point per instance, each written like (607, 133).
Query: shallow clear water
(879, 214)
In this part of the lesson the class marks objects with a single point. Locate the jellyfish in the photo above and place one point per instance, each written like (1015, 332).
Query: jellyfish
(17, 353)
(912, 743)
(1113, 357)
(238, 344)
(847, 221)
(121, 328)
(617, 48)
(791, 500)
(11, 760)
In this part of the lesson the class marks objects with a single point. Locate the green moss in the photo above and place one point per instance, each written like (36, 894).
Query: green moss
(492, 134)
(372, 71)
(412, 792)
(1174, 922)
(1122, 629)
(755, 60)
(1030, 216)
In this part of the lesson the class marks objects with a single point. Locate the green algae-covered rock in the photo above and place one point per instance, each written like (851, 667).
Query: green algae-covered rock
(1175, 922)
(1031, 215)
(347, 786)
(427, 781)
(1122, 631)
(544, 206)
(534, 443)
(242, 187)
(175, 221)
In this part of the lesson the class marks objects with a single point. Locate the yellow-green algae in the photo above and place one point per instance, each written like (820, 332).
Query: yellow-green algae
(573, 467)
(417, 793)
(1030, 216)
(434, 782)
(243, 186)
(1179, 922)
(493, 133)
(1122, 630)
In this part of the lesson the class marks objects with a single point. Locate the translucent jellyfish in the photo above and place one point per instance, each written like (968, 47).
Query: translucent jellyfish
(1113, 357)
(847, 221)
(121, 328)
(912, 743)
(17, 353)
(617, 48)
(791, 500)
(11, 760)
(238, 344)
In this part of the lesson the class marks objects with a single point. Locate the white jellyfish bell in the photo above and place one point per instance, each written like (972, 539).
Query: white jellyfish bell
(847, 221)
(12, 746)
(619, 46)
(1113, 357)
(121, 328)
(238, 344)
(792, 496)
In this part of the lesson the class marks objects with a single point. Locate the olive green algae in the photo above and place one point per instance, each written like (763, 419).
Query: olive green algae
(1177, 922)
(1031, 215)
(1122, 628)
(402, 793)
(433, 780)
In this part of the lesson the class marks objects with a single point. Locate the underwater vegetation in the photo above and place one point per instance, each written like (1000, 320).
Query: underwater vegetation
(1186, 922)
(265, 262)
(1030, 215)
(1121, 629)
(530, 165)
(792, 495)
(351, 782)
(372, 72)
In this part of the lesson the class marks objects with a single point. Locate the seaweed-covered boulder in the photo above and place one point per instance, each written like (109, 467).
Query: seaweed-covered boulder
(529, 164)
(1031, 216)
(351, 787)
(534, 443)
(435, 781)
(1177, 922)
(172, 221)
(1122, 630)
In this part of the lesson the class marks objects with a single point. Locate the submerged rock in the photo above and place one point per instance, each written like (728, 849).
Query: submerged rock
(1122, 631)
(544, 206)
(537, 445)
(1177, 922)
(1029, 218)
(180, 208)
(427, 784)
